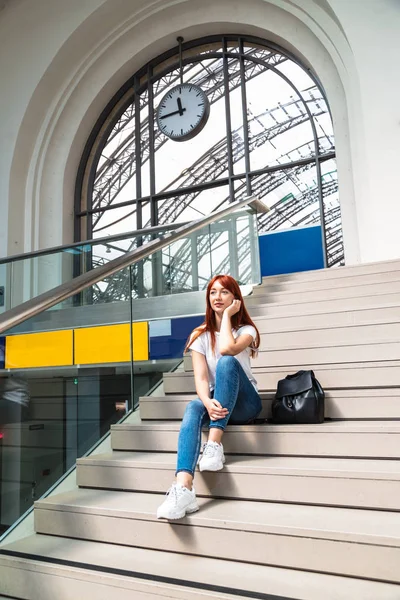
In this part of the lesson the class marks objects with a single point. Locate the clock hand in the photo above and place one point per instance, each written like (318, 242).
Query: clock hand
(180, 106)
(175, 112)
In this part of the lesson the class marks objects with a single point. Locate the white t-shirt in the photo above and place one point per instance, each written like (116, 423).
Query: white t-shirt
(203, 345)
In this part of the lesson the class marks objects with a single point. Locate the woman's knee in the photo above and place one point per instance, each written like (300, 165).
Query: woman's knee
(194, 410)
(227, 364)
(193, 417)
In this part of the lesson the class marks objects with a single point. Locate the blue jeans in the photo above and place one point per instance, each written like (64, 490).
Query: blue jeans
(233, 391)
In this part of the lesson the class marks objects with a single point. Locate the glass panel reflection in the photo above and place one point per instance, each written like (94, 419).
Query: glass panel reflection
(49, 418)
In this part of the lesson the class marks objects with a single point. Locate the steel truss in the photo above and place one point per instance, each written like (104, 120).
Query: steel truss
(212, 164)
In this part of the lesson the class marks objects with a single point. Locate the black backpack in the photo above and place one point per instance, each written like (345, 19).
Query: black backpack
(299, 398)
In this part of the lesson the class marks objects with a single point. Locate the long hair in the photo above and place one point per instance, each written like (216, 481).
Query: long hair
(241, 318)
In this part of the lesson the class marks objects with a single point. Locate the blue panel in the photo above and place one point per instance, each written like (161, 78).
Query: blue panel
(292, 250)
(2, 351)
(172, 346)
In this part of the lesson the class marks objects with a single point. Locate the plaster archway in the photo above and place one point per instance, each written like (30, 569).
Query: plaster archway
(107, 48)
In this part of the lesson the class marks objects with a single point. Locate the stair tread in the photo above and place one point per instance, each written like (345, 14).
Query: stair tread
(350, 394)
(372, 289)
(391, 275)
(387, 364)
(382, 266)
(299, 585)
(317, 522)
(390, 427)
(285, 300)
(283, 308)
(260, 465)
(294, 288)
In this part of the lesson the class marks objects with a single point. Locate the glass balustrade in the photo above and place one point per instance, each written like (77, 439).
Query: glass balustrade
(72, 371)
(185, 265)
(62, 388)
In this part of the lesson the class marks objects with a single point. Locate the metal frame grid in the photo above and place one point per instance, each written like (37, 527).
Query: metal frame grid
(219, 64)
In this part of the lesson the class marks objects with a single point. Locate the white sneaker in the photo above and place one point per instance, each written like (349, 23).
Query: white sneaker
(179, 502)
(212, 458)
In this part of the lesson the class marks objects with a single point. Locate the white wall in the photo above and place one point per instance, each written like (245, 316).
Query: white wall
(373, 30)
(82, 51)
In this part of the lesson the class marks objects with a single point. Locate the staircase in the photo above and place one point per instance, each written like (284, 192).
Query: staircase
(306, 512)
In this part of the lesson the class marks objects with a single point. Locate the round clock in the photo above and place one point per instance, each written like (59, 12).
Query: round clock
(183, 112)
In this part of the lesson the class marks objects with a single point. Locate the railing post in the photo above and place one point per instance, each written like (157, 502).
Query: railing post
(195, 265)
(233, 246)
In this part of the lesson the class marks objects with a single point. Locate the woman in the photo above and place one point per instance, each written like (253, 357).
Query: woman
(227, 391)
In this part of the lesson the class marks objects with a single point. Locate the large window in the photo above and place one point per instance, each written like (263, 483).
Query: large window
(269, 133)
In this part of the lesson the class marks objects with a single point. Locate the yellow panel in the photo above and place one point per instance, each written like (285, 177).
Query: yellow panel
(105, 344)
(140, 341)
(111, 344)
(48, 349)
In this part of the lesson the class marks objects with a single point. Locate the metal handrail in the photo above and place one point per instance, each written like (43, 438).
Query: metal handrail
(40, 303)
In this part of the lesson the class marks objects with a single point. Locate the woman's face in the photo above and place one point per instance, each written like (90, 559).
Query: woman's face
(220, 298)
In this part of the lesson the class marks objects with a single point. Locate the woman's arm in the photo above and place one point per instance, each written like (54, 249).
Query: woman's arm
(214, 408)
(228, 345)
(201, 376)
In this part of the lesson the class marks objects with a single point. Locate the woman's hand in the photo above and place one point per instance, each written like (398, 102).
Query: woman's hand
(215, 410)
(233, 308)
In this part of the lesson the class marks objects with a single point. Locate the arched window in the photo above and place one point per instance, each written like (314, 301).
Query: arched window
(269, 133)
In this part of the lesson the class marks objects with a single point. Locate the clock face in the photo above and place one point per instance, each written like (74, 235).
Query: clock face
(183, 112)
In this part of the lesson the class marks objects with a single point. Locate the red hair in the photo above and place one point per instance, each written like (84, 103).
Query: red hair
(241, 318)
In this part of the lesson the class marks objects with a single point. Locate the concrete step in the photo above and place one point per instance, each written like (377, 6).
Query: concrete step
(338, 273)
(345, 335)
(339, 404)
(337, 338)
(356, 483)
(323, 345)
(345, 318)
(325, 283)
(93, 570)
(355, 375)
(364, 439)
(312, 538)
(261, 306)
(336, 292)
(351, 353)
(308, 352)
